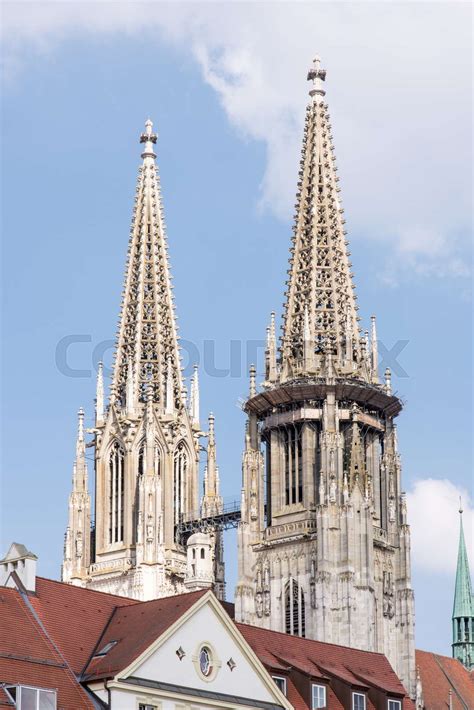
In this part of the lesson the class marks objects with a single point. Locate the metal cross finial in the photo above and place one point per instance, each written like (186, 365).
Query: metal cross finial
(317, 76)
(460, 506)
(149, 138)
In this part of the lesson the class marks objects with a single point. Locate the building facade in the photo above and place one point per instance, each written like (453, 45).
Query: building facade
(146, 440)
(324, 542)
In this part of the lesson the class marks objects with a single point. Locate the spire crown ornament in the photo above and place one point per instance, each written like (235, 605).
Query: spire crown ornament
(149, 139)
(317, 76)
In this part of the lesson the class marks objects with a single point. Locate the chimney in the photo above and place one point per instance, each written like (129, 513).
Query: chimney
(22, 562)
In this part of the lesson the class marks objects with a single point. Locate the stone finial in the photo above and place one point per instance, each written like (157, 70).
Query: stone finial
(211, 420)
(253, 384)
(149, 139)
(317, 76)
(374, 352)
(388, 380)
(99, 395)
(194, 398)
(80, 425)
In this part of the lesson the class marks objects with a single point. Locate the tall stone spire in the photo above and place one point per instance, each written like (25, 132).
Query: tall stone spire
(146, 442)
(463, 608)
(324, 545)
(147, 343)
(320, 277)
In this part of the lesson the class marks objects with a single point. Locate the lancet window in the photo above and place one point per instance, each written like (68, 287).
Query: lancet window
(295, 621)
(293, 464)
(116, 492)
(180, 467)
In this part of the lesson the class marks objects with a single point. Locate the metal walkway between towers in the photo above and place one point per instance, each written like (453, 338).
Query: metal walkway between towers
(228, 518)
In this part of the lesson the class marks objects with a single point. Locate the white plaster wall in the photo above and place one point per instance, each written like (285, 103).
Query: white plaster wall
(205, 627)
(127, 700)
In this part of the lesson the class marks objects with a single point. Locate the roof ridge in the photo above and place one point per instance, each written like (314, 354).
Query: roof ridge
(302, 638)
(198, 593)
(36, 620)
(89, 590)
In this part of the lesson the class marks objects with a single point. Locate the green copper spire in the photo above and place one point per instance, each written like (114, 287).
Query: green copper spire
(463, 609)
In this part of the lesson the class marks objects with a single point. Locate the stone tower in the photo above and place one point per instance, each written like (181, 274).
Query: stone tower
(463, 609)
(324, 544)
(147, 440)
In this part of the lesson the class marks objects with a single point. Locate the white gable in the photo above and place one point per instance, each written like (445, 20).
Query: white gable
(236, 672)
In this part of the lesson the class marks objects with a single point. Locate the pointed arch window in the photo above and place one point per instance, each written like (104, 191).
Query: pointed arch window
(295, 619)
(142, 459)
(116, 492)
(180, 468)
(293, 464)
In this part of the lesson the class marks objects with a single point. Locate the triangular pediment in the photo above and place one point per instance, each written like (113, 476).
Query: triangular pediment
(235, 671)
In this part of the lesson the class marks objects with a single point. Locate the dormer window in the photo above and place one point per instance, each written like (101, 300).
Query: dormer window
(103, 651)
(318, 696)
(280, 682)
(358, 701)
(394, 705)
(28, 698)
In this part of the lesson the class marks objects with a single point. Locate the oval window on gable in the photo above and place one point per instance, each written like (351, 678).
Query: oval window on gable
(205, 661)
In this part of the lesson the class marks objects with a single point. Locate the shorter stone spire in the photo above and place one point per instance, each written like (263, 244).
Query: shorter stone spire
(80, 465)
(271, 351)
(194, 398)
(211, 502)
(253, 384)
(374, 352)
(99, 395)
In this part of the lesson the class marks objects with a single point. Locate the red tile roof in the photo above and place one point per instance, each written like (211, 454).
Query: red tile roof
(75, 617)
(134, 628)
(28, 657)
(281, 653)
(439, 675)
(322, 660)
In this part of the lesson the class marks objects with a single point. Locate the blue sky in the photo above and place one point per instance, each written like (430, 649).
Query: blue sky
(226, 89)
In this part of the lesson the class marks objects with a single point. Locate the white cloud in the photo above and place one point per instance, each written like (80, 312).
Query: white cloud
(433, 506)
(399, 89)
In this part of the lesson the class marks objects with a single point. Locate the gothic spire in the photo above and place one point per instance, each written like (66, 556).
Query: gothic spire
(211, 502)
(463, 608)
(99, 396)
(147, 343)
(463, 600)
(320, 278)
(194, 400)
(80, 464)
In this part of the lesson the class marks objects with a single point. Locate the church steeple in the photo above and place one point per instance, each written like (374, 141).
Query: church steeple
(320, 322)
(463, 608)
(324, 545)
(147, 343)
(146, 442)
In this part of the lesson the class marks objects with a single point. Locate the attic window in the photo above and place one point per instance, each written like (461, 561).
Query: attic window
(105, 649)
(394, 705)
(358, 701)
(280, 683)
(318, 696)
(28, 698)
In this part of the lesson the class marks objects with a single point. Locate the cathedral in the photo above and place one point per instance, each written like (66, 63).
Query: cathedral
(323, 538)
